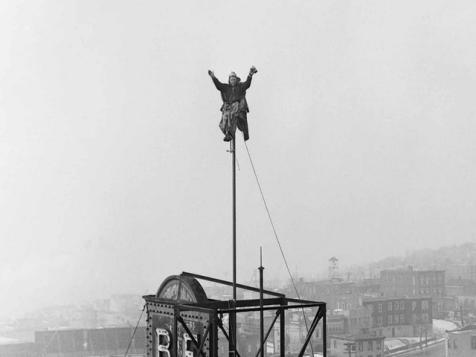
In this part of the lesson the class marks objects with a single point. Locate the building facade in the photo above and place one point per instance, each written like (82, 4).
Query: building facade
(359, 320)
(338, 295)
(410, 282)
(461, 272)
(400, 317)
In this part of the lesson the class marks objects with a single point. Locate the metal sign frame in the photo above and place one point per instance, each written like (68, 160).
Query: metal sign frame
(216, 309)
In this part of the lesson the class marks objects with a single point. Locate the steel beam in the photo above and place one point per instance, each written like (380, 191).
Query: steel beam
(228, 283)
(265, 338)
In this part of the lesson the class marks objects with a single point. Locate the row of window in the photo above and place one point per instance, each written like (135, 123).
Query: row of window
(370, 345)
(395, 305)
(399, 319)
(396, 319)
(400, 306)
(434, 292)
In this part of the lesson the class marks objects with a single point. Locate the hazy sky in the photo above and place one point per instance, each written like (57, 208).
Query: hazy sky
(113, 172)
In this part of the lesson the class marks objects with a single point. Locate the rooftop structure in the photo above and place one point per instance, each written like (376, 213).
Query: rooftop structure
(362, 345)
(462, 342)
(181, 312)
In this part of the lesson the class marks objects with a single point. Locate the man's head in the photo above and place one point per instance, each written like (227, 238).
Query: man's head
(232, 78)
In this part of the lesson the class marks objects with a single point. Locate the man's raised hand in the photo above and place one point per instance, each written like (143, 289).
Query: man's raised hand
(211, 74)
(253, 70)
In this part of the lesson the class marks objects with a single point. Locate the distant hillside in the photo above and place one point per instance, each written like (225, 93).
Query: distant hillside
(439, 258)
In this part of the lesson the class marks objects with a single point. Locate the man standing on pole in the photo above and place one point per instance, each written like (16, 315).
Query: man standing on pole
(235, 108)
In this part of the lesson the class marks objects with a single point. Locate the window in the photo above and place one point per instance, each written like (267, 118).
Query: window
(397, 319)
(402, 305)
(413, 305)
(379, 321)
(370, 345)
(379, 345)
(425, 304)
(380, 307)
(473, 342)
(395, 305)
(361, 346)
(389, 306)
(402, 318)
(390, 320)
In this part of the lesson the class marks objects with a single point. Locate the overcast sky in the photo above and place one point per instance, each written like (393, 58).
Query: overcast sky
(114, 175)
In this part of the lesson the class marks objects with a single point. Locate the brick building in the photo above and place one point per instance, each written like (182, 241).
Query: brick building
(359, 320)
(410, 282)
(337, 325)
(339, 295)
(400, 317)
(461, 272)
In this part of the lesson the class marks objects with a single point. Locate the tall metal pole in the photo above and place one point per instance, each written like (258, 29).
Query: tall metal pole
(324, 330)
(261, 312)
(233, 151)
(232, 316)
(282, 334)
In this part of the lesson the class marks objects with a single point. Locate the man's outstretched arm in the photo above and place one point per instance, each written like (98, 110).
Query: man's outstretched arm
(219, 85)
(247, 83)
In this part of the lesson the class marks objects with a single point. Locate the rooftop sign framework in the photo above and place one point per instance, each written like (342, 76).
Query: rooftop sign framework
(183, 322)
